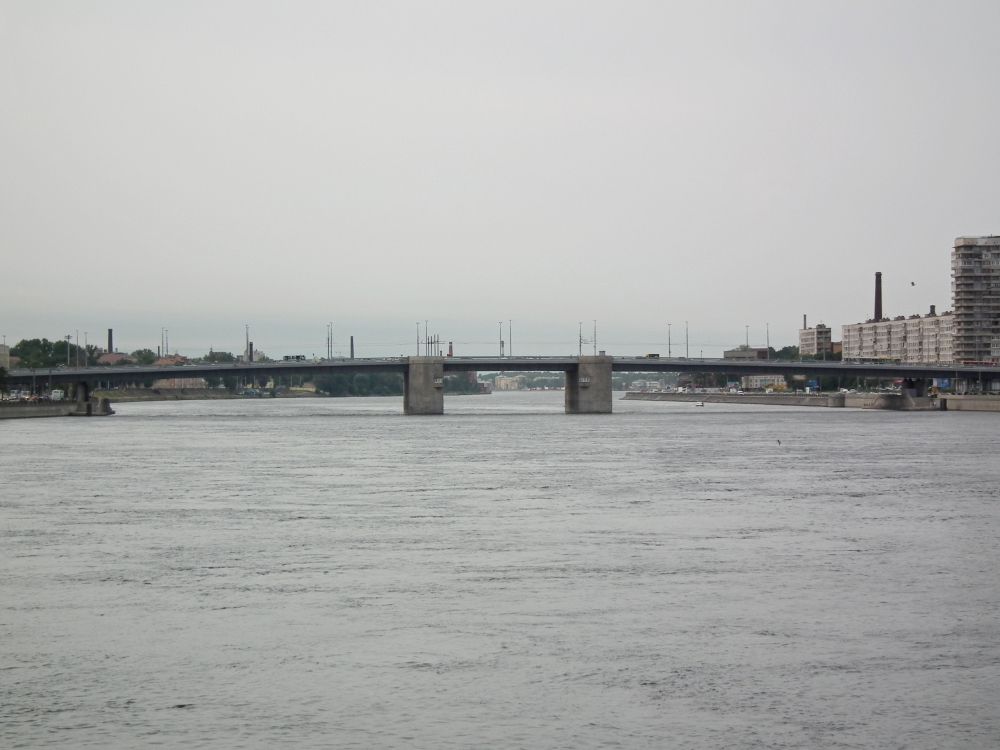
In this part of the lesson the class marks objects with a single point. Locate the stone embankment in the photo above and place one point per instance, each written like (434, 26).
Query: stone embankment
(891, 401)
(191, 394)
(29, 409)
(771, 399)
(970, 403)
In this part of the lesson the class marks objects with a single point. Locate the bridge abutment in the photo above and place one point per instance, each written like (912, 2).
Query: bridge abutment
(423, 386)
(588, 387)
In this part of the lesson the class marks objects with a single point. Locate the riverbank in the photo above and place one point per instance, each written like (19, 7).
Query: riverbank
(889, 401)
(191, 394)
(33, 409)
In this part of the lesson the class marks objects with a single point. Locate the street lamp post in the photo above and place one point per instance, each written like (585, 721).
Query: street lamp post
(500, 323)
(669, 354)
(687, 352)
(748, 336)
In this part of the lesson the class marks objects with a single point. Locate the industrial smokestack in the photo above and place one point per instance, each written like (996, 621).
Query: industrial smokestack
(933, 310)
(352, 347)
(111, 341)
(804, 326)
(250, 352)
(878, 295)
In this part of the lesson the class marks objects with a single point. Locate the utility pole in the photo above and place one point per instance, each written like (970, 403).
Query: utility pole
(748, 336)
(767, 338)
(686, 351)
(500, 323)
(510, 338)
(580, 343)
(668, 341)
(595, 338)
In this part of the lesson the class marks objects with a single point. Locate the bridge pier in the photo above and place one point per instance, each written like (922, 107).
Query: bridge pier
(588, 387)
(915, 387)
(423, 386)
(83, 405)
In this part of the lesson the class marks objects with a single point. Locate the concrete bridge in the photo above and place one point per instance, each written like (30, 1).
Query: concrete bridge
(588, 379)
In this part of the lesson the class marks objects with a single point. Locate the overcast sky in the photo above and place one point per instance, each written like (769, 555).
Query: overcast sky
(202, 165)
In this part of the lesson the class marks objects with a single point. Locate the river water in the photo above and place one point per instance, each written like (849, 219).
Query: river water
(329, 573)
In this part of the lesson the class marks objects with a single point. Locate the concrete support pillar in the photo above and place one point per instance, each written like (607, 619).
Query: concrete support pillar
(588, 388)
(915, 387)
(423, 386)
(83, 405)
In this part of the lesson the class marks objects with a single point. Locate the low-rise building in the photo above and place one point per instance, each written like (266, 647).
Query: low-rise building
(762, 382)
(113, 358)
(816, 342)
(746, 352)
(508, 382)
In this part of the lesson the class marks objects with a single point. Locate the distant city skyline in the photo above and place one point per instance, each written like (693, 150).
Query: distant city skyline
(197, 167)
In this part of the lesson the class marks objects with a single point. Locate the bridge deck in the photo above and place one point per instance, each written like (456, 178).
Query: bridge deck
(400, 365)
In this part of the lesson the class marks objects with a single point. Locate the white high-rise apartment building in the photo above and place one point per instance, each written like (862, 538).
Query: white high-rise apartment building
(975, 289)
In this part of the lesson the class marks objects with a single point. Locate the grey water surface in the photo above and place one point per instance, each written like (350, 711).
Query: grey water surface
(329, 573)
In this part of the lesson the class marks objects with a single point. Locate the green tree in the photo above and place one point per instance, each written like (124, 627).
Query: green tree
(218, 357)
(42, 353)
(785, 352)
(360, 384)
(37, 353)
(460, 384)
(144, 356)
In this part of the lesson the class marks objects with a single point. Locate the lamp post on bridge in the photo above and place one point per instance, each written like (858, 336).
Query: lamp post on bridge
(668, 341)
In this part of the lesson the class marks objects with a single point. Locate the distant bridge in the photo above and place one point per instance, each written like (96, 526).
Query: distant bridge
(588, 378)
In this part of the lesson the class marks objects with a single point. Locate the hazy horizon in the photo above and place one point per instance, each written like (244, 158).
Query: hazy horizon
(198, 167)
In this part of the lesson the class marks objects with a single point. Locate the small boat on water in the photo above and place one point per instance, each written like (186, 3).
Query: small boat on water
(699, 403)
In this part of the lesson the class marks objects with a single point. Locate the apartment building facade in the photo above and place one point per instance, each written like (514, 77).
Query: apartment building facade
(918, 339)
(975, 288)
(815, 342)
